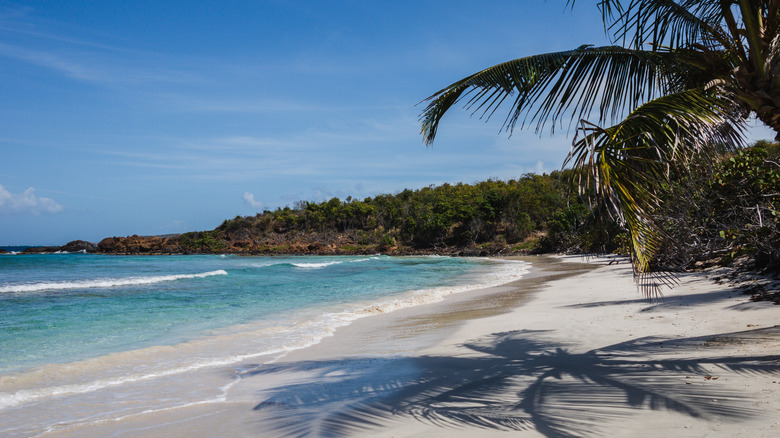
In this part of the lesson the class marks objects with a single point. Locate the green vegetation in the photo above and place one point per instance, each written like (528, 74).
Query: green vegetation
(682, 86)
(487, 217)
(202, 241)
(726, 211)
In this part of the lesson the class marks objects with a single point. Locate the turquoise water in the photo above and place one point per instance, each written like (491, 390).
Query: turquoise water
(80, 330)
(64, 307)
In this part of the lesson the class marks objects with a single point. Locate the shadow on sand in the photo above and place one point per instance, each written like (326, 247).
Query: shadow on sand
(516, 381)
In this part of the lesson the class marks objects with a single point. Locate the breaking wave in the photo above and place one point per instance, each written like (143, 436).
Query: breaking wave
(102, 282)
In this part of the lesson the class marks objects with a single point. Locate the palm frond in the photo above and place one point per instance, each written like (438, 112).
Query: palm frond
(551, 87)
(668, 23)
(624, 166)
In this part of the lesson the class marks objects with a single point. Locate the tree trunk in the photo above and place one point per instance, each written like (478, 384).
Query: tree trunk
(761, 97)
(770, 115)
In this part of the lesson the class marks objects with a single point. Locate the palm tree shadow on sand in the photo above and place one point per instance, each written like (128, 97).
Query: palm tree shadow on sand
(516, 381)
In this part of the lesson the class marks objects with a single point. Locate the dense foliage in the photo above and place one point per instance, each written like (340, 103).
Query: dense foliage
(726, 212)
(532, 213)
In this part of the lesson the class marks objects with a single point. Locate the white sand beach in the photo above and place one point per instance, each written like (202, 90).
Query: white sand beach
(572, 349)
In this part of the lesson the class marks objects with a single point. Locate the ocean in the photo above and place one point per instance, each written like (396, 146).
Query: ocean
(92, 338)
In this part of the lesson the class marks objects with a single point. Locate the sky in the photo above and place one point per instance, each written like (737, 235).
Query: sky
(158, 117)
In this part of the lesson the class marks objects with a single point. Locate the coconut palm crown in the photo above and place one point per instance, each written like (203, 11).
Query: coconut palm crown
(684, 77)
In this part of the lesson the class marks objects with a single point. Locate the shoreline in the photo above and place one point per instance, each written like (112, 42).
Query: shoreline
(162, 377)
(571, 349)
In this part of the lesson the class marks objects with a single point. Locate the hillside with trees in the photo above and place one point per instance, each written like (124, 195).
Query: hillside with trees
(719, 211)
(532, 213)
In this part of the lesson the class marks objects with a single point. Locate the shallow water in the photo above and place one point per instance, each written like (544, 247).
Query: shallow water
(89, 338)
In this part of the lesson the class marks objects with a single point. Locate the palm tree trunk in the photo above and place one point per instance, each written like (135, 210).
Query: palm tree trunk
(768, 108)
(770, 115)
(760, 96)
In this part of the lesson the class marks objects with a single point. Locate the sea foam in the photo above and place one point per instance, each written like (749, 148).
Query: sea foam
(102, 282)
(315, 265)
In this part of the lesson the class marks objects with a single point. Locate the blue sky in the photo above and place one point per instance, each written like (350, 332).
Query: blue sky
(156, 117)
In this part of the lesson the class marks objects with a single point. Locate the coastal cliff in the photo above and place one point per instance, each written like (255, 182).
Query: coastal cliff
(299, 244)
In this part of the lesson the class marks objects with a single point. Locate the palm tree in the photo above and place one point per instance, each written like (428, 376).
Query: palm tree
(683, 78)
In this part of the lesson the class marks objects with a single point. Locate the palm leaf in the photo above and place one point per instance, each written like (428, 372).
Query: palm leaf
(625, 165)
(674, 24)
(550, 87)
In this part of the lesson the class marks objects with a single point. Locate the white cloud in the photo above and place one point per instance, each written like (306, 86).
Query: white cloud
(249, 199)
(101, 66)
(26, 202)
(48, 60)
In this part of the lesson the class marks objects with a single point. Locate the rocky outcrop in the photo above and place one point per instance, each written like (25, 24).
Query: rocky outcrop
(247, 242)
(79, 246)
(251, 242)
(244, 242)
(139, 245)
(41, 250)
(74, 246)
